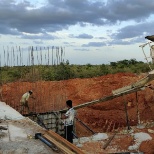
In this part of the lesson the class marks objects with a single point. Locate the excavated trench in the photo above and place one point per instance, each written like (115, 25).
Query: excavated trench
(102, 117)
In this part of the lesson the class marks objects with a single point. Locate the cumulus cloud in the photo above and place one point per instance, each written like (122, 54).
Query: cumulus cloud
(57, 15)
(136, 33)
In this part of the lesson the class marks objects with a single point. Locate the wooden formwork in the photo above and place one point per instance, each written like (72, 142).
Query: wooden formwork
(49, 120)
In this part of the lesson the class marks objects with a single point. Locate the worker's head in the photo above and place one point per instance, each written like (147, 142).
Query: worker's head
(30, 92)
(69, 103)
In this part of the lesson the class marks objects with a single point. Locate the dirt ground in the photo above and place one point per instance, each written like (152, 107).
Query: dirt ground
(102, 117)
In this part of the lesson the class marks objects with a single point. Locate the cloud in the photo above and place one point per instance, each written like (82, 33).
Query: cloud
(38, 42)
(41, 37)
(133, 33)
(94, 44)
(8, 31)
(60, 14)
(81, 49)
(101, 38)
(124, 10)
(82, 36)
(128, 21)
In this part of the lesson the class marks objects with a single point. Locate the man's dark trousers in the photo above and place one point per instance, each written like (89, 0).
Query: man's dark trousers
(68, 133)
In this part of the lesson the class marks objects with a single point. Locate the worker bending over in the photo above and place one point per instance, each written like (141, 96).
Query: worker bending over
(24, 100)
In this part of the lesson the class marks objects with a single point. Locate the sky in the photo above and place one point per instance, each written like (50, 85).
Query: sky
(89, 31)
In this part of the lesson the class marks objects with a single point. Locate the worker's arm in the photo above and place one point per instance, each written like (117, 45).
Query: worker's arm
(64, 116)
(32, 97)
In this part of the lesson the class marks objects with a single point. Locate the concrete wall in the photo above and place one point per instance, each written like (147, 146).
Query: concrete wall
(49, 120)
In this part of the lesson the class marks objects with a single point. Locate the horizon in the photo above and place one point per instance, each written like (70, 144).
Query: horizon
(95, 32)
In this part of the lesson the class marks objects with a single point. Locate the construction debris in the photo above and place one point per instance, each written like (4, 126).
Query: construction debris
(16, 135)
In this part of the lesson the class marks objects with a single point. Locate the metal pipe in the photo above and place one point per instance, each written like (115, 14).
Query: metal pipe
(85, 125)
(74, 135)
(45, 141)
(39, 136)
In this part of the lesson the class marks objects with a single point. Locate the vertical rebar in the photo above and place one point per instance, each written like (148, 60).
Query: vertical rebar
(17, 56)
(4, 56)
(48, 56)
(127, 120)
(52, 56)
(137, 107)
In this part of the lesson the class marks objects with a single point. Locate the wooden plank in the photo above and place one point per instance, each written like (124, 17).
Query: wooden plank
(65, 142)
(60, 146)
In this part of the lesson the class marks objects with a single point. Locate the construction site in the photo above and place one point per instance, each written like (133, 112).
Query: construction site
(115, 112)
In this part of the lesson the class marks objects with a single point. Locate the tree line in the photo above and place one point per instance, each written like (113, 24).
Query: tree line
(65, 71)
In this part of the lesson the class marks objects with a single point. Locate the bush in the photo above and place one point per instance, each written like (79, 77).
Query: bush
(65, 71)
